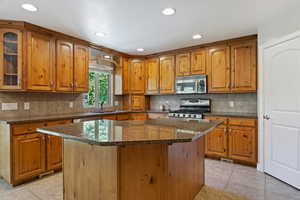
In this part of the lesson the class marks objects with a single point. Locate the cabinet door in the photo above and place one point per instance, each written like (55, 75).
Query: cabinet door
(64, 66)
(11, 47)
(243, 67)
(167, 75)
(81, 68)
(152, 76)
(138, 102)
(137, 77)
(126, 76)
(28, 156)
(219, 69)
(216, 142)
(54, 152)
(198, 65)
(40, 62)
(242, 144)
(183, 64)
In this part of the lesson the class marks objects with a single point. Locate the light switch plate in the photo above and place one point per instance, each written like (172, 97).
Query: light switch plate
(9, 106)
(116, 103)
(231, 104)
(71, 104)
(26, 106)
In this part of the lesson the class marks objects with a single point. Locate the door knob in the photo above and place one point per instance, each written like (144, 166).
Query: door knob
(266, 117)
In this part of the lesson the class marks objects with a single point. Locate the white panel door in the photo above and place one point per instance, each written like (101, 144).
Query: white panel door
(282, 107)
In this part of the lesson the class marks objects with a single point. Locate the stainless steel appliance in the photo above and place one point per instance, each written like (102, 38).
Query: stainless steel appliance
(191, 84)
(192, 108)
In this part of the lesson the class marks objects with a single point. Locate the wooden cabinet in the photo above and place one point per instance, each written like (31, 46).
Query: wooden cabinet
(64, 66)
(152, 76)
(81, 68)
(242, 143)
(138, 102)
(138, 116)
(109, 117)
(236, 139)
(137, 76)
(54, 152)
(183, 64)
(11, 59)
(219, 69)
(198, 62)
(28, 156)
(126, 87)
(216, 142)
(243, 67)
(40, 62)
(167, 75)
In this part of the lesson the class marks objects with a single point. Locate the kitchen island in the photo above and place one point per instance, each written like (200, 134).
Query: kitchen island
(160, 159)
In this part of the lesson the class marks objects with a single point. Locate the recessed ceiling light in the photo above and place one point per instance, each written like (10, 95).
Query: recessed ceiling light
(168, 11)
(29, 7)
(197, 36)
(100, 34)
(107, 57)
(140, 49)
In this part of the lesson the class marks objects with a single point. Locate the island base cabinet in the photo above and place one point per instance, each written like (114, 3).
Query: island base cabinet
(133, 172)
(28, 157)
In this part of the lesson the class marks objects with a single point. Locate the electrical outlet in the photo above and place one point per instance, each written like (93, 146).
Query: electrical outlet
(71, 104)
(9, 106)
(231, 104)
(116, 103)
(26, 106)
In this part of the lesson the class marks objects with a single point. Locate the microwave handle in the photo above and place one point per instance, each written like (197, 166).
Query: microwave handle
(196, 85)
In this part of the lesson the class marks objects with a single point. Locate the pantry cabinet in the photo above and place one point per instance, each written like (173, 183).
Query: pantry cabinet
(198, 62)
(40, 62)
(137, 76)
(152, 76)
(235, 139)
(219, 69)
(64, 66)
(243, 67)
(183, 64)
(11, 59)
(81, 68)
(167, 75)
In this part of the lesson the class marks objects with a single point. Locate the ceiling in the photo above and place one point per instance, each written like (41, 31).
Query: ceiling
(131, 24)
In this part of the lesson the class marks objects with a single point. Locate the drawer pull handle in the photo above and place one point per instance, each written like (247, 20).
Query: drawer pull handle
(30, 129)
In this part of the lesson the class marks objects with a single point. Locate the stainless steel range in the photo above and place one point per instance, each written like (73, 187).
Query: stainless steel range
(192, 108)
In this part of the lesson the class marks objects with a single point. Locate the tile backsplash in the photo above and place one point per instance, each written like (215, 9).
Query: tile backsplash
(242, 103)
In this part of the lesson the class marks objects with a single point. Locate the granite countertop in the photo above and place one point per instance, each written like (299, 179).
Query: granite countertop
(115, 133)
(232, 114)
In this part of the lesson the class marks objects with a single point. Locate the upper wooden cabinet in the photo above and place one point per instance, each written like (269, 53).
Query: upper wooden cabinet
(126, 88)
(243, 67)
(198, 62)
(40, 62)
(152, 76)
(219, 69)
(183, 64)
(81, 68)
(64, 66)
(11, 55)
(167, 75)
(137, 76)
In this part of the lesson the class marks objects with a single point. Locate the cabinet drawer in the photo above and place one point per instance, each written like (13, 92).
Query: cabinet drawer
(26, 128)
(122, 117)
(109, 117)
(60, 122)
(242, 122)
(139, 116)
(223, 119)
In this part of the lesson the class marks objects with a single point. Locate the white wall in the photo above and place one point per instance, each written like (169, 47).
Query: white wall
(285, 21)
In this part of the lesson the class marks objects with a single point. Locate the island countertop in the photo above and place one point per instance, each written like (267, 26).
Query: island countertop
(116, 133)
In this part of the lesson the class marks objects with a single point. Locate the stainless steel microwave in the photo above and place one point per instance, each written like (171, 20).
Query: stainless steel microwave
(191, 84)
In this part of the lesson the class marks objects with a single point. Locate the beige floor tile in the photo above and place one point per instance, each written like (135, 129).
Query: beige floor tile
(18, 195)
(249, 179)
(249, 192)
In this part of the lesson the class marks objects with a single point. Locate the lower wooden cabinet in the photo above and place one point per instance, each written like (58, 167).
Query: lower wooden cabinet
(242, 143)
(28, 156)
(109, 117)
(138, 116)
(216, 142)
(236, 140)
(54, 152)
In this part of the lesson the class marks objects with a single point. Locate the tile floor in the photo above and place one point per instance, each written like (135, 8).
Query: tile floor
(233, 178)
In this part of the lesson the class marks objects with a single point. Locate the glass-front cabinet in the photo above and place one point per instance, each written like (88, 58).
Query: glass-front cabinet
(10, 59)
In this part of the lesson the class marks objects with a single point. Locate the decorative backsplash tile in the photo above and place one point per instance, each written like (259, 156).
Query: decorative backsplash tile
(243, 103)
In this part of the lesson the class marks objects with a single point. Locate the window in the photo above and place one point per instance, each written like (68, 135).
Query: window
(100, 89)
